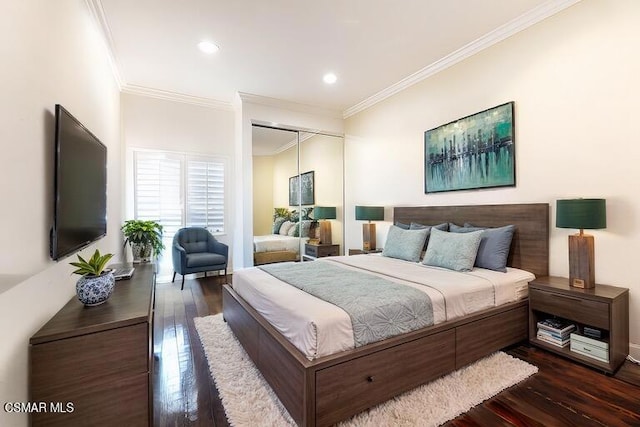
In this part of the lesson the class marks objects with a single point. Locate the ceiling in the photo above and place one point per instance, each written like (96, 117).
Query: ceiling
(281, 48)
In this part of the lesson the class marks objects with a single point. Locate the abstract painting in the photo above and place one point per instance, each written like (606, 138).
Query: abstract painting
(304, 187)
(477, 151)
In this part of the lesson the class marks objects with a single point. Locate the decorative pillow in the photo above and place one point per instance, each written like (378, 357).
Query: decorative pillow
(455, 251)
(404, 244)
(277, 223)
(454, 228)
(494, 246)
(292, 230)
(415, 226)
(401, 225)
(284, 228)
(304, 228)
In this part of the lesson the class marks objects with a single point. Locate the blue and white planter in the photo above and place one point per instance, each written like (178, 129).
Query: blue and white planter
(94, 290)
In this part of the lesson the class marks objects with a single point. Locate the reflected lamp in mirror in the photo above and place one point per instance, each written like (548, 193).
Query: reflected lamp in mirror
(581, 214)
(369, 213)
(324, 213)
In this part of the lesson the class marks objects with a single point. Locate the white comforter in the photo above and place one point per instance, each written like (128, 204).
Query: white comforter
(318, 328)
(276, 242)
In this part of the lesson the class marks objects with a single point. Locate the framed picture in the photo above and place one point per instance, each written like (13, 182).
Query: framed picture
(305, 186)
(477, 151)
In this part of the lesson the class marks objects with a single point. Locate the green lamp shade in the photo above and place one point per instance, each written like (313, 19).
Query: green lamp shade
(324, 212)
(581, 213)
(370, 213)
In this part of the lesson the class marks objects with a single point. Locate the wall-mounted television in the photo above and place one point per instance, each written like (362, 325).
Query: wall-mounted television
(80, 199)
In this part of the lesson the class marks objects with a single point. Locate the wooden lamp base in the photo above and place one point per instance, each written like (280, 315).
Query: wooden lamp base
(325, 232)
(368, 236)
(581, 261)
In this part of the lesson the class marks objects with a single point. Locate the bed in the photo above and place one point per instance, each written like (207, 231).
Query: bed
(272, 248)
(331, 388)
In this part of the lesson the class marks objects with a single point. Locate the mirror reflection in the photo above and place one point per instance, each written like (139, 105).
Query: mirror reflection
(297, 195)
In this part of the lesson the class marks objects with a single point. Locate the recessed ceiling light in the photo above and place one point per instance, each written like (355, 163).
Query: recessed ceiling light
(330, 78)
(208, 47)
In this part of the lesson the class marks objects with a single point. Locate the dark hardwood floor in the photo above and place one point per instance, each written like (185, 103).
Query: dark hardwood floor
(562, 393)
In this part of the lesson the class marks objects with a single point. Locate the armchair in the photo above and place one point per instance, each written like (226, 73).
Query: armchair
(195, 250)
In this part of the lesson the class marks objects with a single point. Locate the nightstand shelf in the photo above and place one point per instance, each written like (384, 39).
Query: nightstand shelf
(311, 252)
(603, 307)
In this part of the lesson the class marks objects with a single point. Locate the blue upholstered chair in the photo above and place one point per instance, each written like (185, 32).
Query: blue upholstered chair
(195, 250)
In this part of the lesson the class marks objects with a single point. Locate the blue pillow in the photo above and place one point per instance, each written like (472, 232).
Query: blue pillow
(494, 246)
(404, 244)
(402, 225)
(455, 251)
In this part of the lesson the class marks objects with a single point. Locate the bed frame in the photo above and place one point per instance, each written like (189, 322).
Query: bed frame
(270, 257)
(335, 387)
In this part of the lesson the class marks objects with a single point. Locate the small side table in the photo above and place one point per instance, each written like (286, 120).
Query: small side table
(311, 252)
(362, 251)
(603, 307)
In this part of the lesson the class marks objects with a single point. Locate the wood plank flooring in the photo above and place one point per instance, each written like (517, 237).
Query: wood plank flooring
(562, 393)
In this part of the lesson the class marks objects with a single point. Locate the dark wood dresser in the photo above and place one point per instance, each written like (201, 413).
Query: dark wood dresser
(94, 365)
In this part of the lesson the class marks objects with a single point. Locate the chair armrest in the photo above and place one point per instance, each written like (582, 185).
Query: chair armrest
(179, 257)
(218, 247)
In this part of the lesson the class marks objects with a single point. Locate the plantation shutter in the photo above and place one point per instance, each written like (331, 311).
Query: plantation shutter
(158, 188)
(205, 193)
(179, 190)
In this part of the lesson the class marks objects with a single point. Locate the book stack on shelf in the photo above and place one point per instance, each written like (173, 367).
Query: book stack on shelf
(555, 331)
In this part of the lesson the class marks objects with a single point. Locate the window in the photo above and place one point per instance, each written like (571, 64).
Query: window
(179, 190)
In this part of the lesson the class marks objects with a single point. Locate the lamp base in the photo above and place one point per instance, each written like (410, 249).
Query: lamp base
(368, 236)
(581, 261)
(325, 232)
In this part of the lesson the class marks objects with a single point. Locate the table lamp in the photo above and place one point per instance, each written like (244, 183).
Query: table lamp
(324, 212)
(369, 213)
(581, 214)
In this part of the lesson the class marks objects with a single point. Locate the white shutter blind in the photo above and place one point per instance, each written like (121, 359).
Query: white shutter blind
(163, 181)
(158, 188)
(205, 193)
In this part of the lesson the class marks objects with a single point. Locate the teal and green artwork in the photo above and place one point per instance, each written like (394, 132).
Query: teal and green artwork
(474, 152)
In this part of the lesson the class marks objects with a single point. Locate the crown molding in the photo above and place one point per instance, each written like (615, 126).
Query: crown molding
(97, 13)
(512, 27)
(289, 105)
(177, 97)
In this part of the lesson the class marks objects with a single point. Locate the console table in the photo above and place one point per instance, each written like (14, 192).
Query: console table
(94, 365)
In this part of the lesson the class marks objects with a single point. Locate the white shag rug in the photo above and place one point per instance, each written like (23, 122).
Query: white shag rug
(249, 401)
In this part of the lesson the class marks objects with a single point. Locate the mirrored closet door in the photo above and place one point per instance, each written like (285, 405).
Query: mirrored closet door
(295, 172)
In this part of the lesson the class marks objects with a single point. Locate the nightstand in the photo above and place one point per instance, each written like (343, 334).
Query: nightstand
(312, 252)
(604, 307)
(362, 251)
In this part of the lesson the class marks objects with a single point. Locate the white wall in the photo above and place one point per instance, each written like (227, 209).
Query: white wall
(51, 52)
(573, 78)
(159, 124)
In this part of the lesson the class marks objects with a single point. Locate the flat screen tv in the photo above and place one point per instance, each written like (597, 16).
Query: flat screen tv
(80, 202)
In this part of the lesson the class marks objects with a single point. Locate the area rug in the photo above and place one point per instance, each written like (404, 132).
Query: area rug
(249, 401)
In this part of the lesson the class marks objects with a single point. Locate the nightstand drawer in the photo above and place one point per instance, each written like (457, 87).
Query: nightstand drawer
(581, 310)
(322, 250)
(311, 250)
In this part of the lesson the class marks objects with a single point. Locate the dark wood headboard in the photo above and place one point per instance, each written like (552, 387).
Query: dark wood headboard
(530, 244)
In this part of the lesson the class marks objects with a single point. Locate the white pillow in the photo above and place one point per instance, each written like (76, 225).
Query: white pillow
(284, 228)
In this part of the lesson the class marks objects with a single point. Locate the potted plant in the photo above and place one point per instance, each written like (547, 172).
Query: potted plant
(95, 284)
(144, 237)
